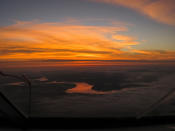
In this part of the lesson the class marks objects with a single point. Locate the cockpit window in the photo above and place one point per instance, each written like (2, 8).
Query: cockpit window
(88, 58)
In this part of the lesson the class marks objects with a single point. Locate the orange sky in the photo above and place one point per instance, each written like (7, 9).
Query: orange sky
(87, 30)
(33, 40)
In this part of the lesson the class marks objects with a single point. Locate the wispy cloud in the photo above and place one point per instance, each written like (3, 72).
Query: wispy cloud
(159, 10)
(43, 41)
(25, 40)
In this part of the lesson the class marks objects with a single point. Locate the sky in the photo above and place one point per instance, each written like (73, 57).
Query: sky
(87, 30)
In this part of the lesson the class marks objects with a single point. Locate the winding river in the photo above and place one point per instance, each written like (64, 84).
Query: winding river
(85, 88)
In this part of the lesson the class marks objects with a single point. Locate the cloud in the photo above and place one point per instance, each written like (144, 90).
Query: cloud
(154, 54)
(26, 40)
(123, 38)
(60, 41)
(159, 10)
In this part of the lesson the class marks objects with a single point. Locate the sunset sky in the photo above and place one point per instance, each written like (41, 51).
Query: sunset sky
(87, 30)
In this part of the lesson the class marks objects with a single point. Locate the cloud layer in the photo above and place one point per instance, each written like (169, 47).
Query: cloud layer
(44, 41)
(159, 10)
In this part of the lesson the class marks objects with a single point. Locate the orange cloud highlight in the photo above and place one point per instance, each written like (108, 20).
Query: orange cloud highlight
(45, 41)
(31, 40)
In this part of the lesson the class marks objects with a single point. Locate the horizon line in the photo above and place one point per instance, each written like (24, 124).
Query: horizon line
(58, 60)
